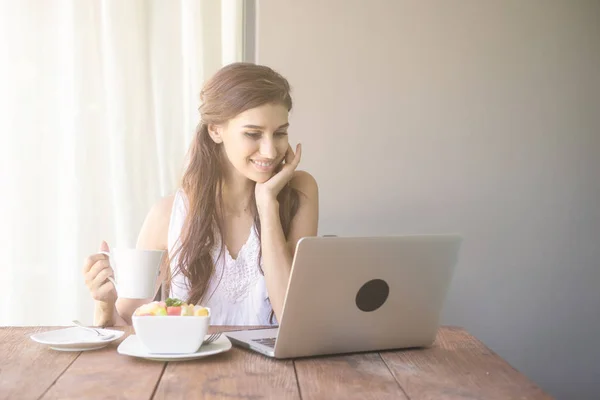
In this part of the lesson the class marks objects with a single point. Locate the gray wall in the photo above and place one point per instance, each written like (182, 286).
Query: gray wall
(478, 117)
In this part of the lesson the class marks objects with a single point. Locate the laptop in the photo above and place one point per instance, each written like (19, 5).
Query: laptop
(356, 294)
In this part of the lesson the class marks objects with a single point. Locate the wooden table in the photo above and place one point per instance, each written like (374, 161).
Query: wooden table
(458, 366)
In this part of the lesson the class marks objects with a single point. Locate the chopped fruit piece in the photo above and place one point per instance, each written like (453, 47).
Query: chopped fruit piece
(187, 310)
(174, 310)
(160, 311)
(201, 312)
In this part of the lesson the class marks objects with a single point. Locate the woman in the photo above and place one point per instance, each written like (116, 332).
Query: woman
(231, 229)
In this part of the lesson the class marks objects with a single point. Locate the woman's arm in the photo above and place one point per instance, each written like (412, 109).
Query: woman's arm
(278, 253)
(153, 236)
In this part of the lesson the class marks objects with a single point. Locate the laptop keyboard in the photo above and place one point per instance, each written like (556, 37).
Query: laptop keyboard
(269, 342)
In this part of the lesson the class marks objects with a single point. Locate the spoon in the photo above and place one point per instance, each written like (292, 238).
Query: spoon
(103, 336)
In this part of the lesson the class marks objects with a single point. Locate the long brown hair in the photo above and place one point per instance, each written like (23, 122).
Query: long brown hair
(234, 89)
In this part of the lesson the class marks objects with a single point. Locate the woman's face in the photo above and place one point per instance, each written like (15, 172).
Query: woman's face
(255, 141)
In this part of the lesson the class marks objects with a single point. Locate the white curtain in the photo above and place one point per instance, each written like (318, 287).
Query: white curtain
(98, 105)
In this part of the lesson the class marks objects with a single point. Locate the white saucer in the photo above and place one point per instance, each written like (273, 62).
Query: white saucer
(75, 339)
(132, 346)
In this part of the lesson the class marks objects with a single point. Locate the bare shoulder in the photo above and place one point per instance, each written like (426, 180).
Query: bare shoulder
(162, 208)
(154, 232)
(306, 220)
(305, 183)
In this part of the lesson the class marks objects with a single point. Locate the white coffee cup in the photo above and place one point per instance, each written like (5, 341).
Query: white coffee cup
(136, 271)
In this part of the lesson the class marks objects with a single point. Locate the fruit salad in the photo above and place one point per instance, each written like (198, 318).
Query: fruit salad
(170, 307)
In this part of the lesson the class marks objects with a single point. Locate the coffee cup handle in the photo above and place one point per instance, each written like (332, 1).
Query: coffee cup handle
(110, 278)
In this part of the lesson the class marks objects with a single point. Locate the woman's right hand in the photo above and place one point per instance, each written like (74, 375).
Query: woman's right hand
(96, 271)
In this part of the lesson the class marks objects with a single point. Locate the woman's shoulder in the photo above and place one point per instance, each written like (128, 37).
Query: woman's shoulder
(162, 208)
(154, 232)
(304, 182)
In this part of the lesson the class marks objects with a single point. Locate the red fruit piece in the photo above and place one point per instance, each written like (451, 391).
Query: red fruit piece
(174, 310)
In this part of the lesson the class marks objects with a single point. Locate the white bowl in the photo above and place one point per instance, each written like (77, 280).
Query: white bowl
(171, 334)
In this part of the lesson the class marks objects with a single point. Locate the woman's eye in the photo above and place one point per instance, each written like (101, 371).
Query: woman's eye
(253, 135)
(256, 135)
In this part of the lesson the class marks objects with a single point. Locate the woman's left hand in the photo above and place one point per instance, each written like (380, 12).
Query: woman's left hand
(267, 192)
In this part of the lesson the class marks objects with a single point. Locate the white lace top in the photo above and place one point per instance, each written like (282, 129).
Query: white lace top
(237, 293)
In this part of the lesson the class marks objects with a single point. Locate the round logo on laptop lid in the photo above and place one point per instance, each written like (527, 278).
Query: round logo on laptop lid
(372, 295)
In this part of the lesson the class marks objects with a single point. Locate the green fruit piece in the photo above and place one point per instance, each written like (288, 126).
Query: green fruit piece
(160, 311)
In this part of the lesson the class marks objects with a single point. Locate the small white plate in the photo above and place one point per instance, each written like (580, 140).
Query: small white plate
(75, 339)
(132, 346)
